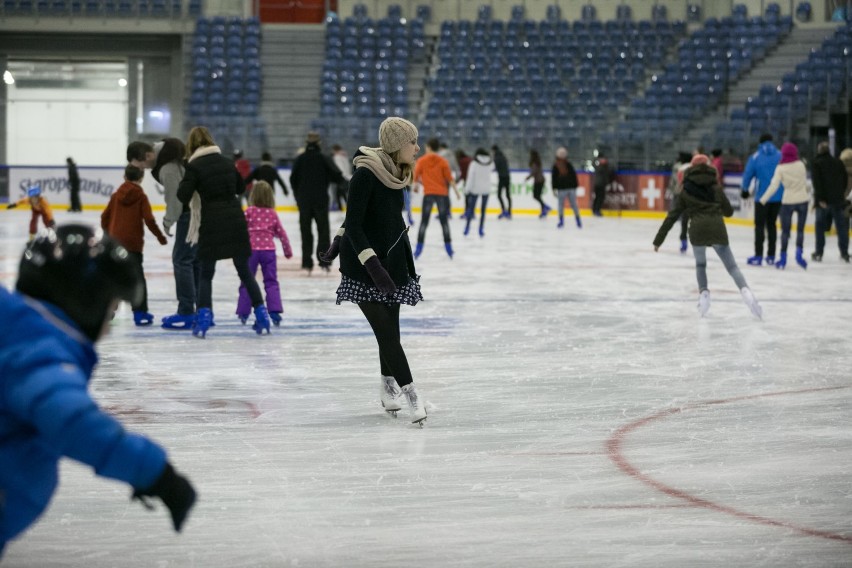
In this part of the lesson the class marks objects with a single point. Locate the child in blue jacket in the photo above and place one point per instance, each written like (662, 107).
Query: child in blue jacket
(68, 285)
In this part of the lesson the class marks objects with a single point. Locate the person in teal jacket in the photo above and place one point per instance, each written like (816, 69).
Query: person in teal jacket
(760, 167)
(68, 286)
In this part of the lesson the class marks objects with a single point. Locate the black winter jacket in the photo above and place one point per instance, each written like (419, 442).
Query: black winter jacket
(312, 173)
(223, 232)
(568, 181)
(501, 164)
(829, 178)
(374, 220)
(269, 173)
(705, 202)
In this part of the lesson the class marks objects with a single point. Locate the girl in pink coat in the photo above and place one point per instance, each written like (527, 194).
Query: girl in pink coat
(263, 226)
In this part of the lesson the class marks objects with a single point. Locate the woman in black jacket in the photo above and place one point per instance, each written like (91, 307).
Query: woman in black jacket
(563, 179)
(210, 186)
(704, 200)
(375, 254)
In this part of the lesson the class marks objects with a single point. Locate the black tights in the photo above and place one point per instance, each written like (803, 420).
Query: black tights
(384, 319)
(205, 286)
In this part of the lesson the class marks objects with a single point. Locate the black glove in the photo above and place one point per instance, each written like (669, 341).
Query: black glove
(379, 275)
(744, 194)
(11, 206)
(332, 251)
(174, 490)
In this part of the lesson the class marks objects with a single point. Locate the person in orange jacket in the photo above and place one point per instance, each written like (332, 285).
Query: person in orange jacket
(40, 208)
(432, 172)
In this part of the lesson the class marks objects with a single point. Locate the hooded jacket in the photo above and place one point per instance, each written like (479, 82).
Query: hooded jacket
(760, 167)
(792, 174)
(46, 413)
(704, 200)
(478, 180)
(122, 219)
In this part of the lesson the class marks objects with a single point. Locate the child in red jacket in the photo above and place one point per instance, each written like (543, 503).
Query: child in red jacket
(122, 220)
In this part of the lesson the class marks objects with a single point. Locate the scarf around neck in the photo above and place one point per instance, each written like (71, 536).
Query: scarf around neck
(195, 202)
(380, 163)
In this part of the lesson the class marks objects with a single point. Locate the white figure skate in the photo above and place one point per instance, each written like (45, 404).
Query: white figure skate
(415, 405)
(751, 302)
(390, 393)
(703, 302)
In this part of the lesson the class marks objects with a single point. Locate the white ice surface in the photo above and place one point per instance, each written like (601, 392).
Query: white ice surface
(567, 378)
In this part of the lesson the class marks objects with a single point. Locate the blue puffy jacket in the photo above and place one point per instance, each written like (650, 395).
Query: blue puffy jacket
(761, 165)
(46, 413)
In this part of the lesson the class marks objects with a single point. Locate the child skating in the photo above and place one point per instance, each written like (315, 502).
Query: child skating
(40, 209)
(263, 226)
(705, 202)
(122, 219)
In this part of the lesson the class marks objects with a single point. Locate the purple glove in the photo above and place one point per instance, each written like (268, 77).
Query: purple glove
(380, 276)
(332, 251)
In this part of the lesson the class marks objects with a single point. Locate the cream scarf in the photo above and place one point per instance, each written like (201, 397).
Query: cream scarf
(195, 202)
(380, 163)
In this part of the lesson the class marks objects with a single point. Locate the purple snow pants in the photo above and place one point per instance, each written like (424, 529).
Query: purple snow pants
(269, 269)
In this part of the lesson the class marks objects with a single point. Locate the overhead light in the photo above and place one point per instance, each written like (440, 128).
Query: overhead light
(122, 82)
(7, 78)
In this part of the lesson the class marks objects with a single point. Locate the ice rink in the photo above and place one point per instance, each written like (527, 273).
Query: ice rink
(580, 414)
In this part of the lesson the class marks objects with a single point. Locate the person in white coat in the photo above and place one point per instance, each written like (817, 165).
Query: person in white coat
(478, 184)
(792, 174)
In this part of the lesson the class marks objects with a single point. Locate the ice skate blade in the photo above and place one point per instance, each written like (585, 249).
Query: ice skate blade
(392, 412)
(421, 422)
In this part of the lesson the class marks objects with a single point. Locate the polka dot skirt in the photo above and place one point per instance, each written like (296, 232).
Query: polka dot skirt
(351, 290)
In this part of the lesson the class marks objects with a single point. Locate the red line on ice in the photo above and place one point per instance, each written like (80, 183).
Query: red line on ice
(614, 450)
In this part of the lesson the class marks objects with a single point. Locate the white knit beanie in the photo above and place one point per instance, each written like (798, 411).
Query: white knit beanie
(396, 132)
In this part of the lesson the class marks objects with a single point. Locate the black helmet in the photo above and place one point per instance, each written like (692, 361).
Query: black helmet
(81, 272)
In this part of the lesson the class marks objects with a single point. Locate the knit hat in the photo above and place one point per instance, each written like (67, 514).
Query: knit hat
(699, 159)
(396, 132)
(789, 153)
(313, 138)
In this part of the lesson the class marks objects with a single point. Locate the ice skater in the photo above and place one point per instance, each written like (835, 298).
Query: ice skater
(705, 201)
(68, 285)
(537, 175)
(211, 186)
(264, 225)
(40, 209)
(433, 173)
(792, 174)
(376, 262)
(478, 185)
(564, 181)
(122, 219)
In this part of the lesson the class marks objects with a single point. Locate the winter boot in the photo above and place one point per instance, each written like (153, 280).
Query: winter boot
(751, 302)
(782, 261)
(276, 318)
(418, 250)
(261, 320)
(178, 321)
(703, 302)
(449, 248)
(800, 260)
(415, 405)
(756, 260)
(770, 260)
(202, 322)
(142, 318)
(683, 245)
(390, 393)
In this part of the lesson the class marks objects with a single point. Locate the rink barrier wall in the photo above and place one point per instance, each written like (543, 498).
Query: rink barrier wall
(633, 194)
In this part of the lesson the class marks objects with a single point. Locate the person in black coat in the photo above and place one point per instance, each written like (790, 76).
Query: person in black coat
(376, 260)
(267, 172)
(829, 178)
(211, 186)
(504, 181)
(604, 175)
(74, 186)
(312, 173)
